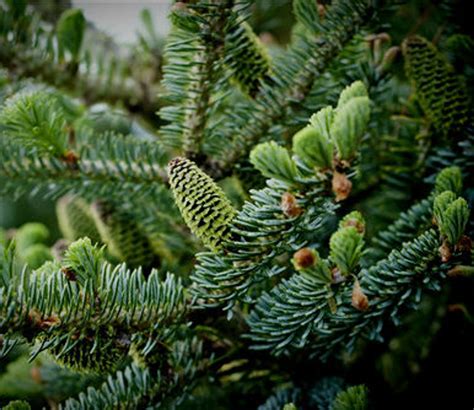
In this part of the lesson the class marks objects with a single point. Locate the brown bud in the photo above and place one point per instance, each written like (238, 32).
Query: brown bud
(382, 37)
(34, 316)
(464, 245)
(49, 321)
(41, 322)
(389, 57)
(341, 186)
(36, 375)
(69, 274)
(445, 252)
(321, 10)
(454, 272)
(304, 258)
(370, 37)
(459, 308)
(71, 159)
(360, 301)
(290, 206)
(359, 225)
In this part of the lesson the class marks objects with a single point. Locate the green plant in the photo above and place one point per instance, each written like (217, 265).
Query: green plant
(242, 215)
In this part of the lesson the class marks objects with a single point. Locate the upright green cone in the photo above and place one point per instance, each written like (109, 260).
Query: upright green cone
(246, 58)
(440, 91)
(202, 203)
(83, 357)
(125, 240)
(75, 219)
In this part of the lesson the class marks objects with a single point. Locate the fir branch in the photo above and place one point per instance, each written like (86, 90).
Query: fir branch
(300, 284)
(308, 15)
(280, 398)
(293, 210)
(415, 220)
(109, 168)
(137, 388)
(276, 103)
(312, 309)
(74, 307)
(286, 316)
(362, 59)
(321, 395)
(37, 121)
(128, 387)
(325, 331)
(194, 63)
(459, 154)
(105, 168)
(392, 286)
(262, 233)
(28, 50)
(408, 225)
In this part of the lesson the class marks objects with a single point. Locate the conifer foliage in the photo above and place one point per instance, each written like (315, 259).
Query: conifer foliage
(247, 214)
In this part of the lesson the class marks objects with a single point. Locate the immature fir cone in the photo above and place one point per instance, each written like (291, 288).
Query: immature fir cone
(202, 203)
(441, 93)
(247, 58)
(124, 238)
(75, 219)
(84, 357)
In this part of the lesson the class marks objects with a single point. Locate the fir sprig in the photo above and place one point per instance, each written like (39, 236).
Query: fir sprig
(135, 387)
(70, 308)
(281, 218)
(194, 53)
(30, 48)
(293, 82)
